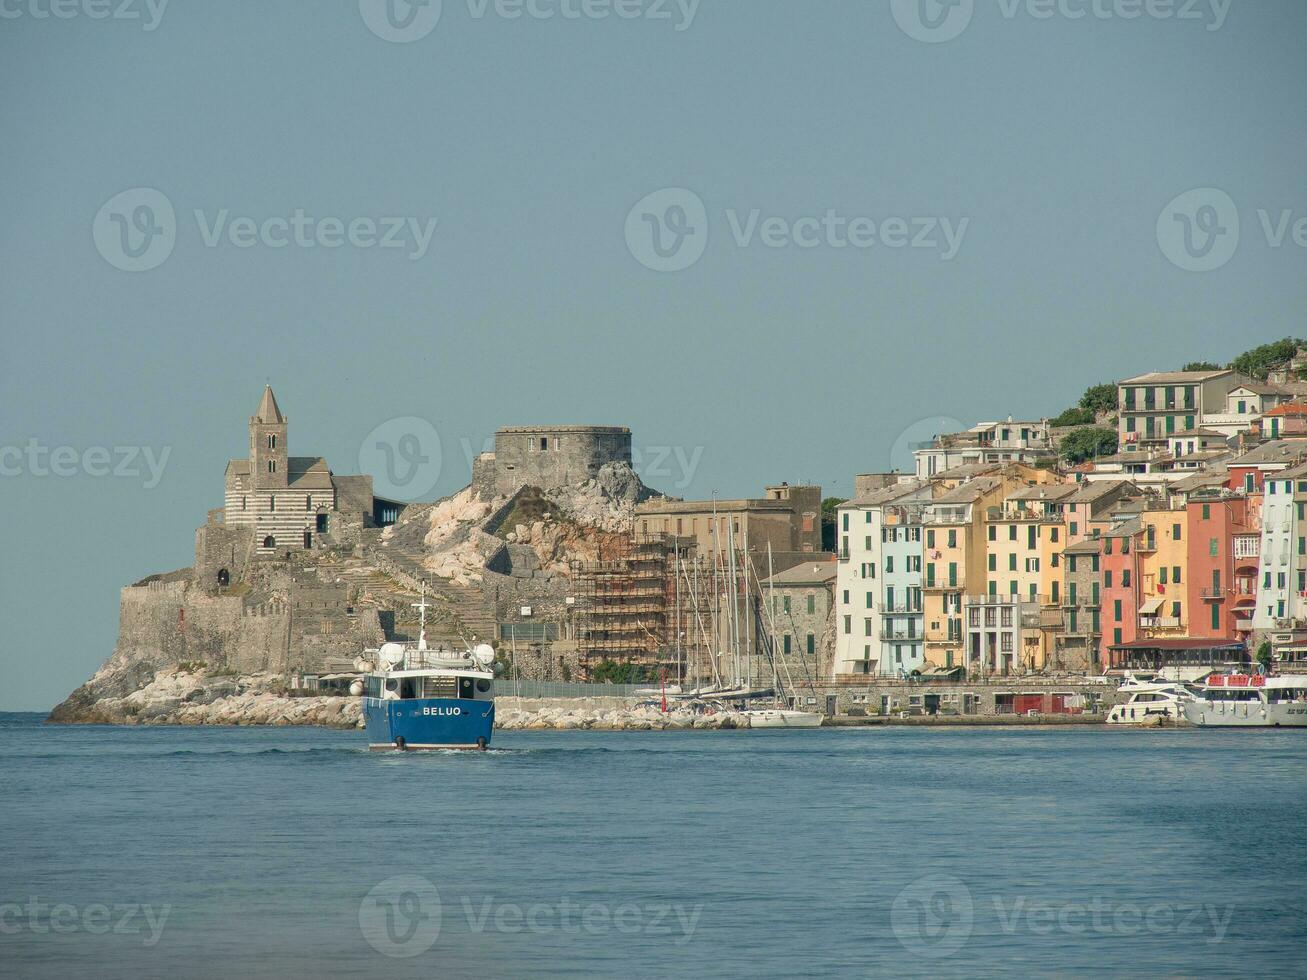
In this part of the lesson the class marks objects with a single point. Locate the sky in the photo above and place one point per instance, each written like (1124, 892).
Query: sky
(779, 240)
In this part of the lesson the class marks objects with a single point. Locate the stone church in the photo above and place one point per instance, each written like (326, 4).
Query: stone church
(275, 503)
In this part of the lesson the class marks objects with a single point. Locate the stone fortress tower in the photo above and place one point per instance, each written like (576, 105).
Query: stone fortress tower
(548, 456)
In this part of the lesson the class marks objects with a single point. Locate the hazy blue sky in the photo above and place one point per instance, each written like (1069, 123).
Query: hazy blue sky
(1058, 140)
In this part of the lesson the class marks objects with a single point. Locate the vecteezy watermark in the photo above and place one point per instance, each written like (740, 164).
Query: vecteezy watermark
(1199, 230)
(97, 919)
(405, 21)
(918, 435)
(932, 21)
(148, 12)
(934, 917)
(667, 231)
(136, 230)
(402, 916)
(404, 456)
(39, 460)
(936, 21)
(666, 466)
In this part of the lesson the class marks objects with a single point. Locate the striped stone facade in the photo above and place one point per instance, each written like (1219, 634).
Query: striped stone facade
(289, 500)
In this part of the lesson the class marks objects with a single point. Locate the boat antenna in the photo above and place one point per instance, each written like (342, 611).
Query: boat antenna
(421, 607)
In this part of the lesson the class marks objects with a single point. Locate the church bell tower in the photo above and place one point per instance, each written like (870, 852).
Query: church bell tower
(268, 458)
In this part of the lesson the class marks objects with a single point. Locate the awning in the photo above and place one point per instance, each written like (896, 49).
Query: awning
(1150, 607)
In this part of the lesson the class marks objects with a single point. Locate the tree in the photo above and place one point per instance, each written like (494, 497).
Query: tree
(1264, 656)
(1257, 363)
(1099, 398)
(1087, 442)
(613, 672)
(1073, 416)
(829, 534)
(1201, 366)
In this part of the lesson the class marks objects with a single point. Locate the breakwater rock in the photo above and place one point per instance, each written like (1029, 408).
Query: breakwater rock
(602, 714)
(178, 696)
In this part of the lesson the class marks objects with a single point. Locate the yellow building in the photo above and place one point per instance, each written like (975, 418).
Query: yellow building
(1163, 574)
(954, 529)
(1024, 542)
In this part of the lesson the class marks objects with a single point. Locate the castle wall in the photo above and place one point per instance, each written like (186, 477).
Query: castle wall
(173, 622)
(550, 457)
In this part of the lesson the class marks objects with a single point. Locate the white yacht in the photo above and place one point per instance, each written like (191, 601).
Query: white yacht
(1150, 702)
(1250, 701)
(782, 718)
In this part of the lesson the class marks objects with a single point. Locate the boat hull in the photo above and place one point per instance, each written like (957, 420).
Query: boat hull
(1246, 714)
(780, 718)
(1151, 714)
(428, 723)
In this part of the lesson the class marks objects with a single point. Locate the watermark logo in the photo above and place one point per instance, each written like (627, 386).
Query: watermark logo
(35, 459)
(936, 21)
(404, 457)
(921, 434)
(1198, 231)
(148, 12)
(97, 919)
(400, 21)
(667, 231)
(932, 21)
(400, 917)
(933, 916)
(136, 229)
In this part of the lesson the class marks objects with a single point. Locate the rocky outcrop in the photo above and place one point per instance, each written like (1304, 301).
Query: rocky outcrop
(603, 714)
(181, 696)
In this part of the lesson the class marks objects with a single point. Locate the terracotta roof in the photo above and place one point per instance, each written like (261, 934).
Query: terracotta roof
(1172, 377)
(1288, 408)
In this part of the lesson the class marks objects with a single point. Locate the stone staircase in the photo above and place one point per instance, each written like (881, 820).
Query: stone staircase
(461, 612)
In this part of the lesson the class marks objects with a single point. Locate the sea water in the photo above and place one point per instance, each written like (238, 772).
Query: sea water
(211, 852)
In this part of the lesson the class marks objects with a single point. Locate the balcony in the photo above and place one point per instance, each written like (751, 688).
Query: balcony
(1159, 622)
(1214, 594)
(955, 585)
(900, 608)
(899, 636)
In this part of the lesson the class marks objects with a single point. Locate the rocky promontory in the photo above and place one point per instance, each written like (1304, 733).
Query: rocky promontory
(182, 695)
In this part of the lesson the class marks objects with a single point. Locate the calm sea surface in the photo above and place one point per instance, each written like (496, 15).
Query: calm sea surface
(209, 852)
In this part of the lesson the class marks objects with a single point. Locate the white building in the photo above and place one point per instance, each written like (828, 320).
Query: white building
(1244, 405)
(878, 612)
(1012, 441)
(1282, 588)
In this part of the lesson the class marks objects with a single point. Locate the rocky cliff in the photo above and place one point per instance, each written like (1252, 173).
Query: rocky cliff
(286, 620)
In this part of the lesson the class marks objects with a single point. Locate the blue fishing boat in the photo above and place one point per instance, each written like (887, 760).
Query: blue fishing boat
(419, 698)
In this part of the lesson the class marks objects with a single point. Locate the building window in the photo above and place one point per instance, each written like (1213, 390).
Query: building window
(308, 501)
(272, 466)
(812, 644)
(272, 441)
(269, 542)
(272, 503)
